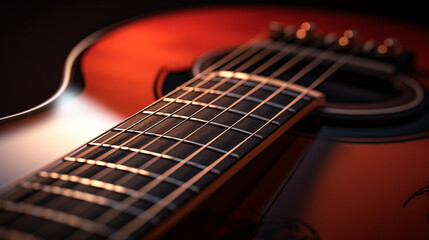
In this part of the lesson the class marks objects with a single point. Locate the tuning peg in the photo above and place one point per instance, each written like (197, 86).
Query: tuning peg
(289, 31)
(275, 30)
(306, 31)
(330, 38)
(368, 46)
(348, 39)
(278, 32)
(389, 48)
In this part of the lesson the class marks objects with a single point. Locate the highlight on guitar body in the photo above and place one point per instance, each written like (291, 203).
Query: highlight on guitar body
(261, 126)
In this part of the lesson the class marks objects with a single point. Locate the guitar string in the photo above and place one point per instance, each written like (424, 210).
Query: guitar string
(85, 166)
(268, 63)
(220, 64)
(109, 215)
(112, 151)
(242, 67)
(127, 177)
(147, 215)
(278, 56)
(236, 53)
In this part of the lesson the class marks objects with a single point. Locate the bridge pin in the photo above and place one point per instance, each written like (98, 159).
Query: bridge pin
(348, 39)
(275, 30)
(389, 48)
(306, 31)
(368, 46)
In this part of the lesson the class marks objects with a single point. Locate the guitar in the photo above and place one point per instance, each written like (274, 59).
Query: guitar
(249, 132)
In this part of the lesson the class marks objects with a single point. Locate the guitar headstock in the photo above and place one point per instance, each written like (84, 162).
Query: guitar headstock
(388, 51)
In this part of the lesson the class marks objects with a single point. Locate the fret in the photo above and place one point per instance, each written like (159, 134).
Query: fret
(158, 208)
(238, 96)
(57, 216)
(175, 138)
(266, 87)
(220, 108)
(128, 169)
(162, 159)
(100, 184)
(87, 197)
(143, 151)
(15, 234)
(205, 121)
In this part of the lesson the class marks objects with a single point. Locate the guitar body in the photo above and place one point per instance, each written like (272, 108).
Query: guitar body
(353, 182)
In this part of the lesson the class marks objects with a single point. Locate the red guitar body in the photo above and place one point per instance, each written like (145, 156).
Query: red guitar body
(346, 187)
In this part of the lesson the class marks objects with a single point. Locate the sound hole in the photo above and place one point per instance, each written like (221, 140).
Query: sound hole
(355, 88)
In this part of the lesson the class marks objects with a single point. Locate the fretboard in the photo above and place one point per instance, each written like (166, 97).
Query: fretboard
(140, 172)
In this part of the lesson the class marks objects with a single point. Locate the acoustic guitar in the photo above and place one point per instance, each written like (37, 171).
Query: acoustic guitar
(258, 122)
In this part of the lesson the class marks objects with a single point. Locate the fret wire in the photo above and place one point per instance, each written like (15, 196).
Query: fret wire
(147, 215)
(105, 216)
(105, 172)
(236, 54)
(178, 139)
(59, 217)
(254, 59)
(132, 125)
(232, 63)
(86, 197)
(82, 168)
(152, 184)
(139, 121)
(189, 83)
(128, 169)
(269, 88)
(122, 146)
(338, 64)
(100, 184)
(130, 227)
(220, 108)
(246, 48)
(236, 95)
(147, 152)
(206, 121)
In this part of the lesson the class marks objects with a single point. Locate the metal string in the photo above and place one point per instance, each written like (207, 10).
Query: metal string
(155, 182)
(234, 56)
(259, 69)
(152, 211)
(247, 64)
(237, 60)
(274, 59)
(127, 177)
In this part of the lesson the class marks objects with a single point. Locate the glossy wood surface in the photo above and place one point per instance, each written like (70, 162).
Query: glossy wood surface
(341, 190)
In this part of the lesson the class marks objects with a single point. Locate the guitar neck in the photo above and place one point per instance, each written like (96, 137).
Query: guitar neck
(163, 158)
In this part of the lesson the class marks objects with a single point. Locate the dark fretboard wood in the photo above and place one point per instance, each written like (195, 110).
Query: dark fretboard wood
(100, 188)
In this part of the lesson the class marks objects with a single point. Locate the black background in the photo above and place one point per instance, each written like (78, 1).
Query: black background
(36, 36)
